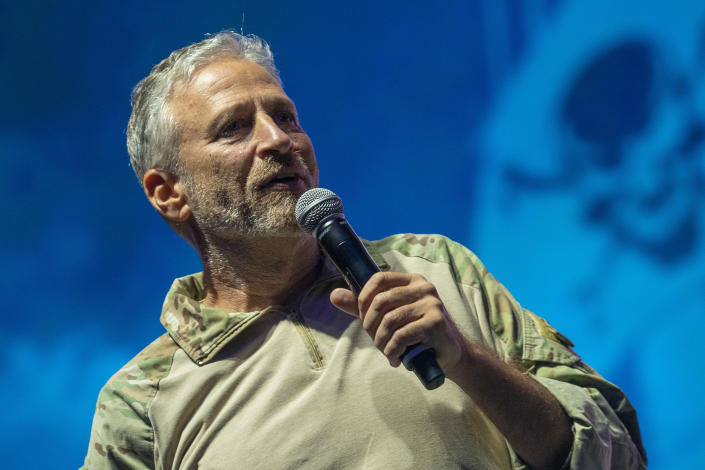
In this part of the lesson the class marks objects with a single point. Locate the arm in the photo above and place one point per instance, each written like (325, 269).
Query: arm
(400, 309)
(122, 436)
(530, 418)
(605, 431)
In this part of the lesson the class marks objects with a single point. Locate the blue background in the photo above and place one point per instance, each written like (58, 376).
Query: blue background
(561, 140)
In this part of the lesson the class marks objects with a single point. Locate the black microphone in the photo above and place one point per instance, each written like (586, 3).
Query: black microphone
(320, 212)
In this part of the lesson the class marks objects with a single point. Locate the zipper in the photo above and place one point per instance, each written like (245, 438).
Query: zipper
(309, 341)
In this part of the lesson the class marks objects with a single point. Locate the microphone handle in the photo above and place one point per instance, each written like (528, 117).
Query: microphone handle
(342, 246)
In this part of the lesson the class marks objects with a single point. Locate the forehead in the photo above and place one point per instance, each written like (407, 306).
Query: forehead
(222, 83)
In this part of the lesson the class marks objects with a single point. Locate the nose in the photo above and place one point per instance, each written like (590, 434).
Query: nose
(270, 137)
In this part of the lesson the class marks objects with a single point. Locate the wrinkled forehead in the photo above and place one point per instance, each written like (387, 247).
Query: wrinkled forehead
(225, 78)
(231, 72)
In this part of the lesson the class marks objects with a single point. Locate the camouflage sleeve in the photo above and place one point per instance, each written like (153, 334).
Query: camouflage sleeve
(605, 427)
(122, 435)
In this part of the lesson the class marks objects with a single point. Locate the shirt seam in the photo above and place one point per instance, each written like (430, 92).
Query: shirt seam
(151, 402)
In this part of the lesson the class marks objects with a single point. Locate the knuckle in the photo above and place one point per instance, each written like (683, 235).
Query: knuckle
(402, 336)
(430, 289)
(431, 303)
(378, 278)
(433, 320)
(426, 288)
(390, 349)
(379, 301)
(383, 323)
(385, 330)
(435, 303)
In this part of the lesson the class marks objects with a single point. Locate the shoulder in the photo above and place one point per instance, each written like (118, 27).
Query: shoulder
(121, 427)
(434, 248)
(132, 388)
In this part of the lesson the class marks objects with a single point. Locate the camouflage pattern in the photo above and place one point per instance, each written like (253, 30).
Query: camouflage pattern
(530, 343)
(199, 330)
(123, 434)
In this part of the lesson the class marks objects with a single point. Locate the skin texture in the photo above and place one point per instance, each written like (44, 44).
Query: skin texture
(245, 162)
(244, 156)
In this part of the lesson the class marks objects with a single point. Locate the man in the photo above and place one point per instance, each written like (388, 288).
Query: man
(262, 369)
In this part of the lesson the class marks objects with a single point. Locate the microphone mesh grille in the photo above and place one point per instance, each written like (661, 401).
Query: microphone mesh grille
(315, 205)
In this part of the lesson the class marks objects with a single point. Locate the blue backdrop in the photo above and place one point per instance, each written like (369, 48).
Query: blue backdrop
(562, 140)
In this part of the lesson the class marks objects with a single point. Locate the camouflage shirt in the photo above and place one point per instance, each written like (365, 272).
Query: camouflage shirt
(303, 386)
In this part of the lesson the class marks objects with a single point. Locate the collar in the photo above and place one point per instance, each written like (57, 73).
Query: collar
(202, 331)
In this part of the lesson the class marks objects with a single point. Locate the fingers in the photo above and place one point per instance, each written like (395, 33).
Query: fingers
(402, 309)
(345, 300)
(398, 310)
(383, 303)
(384, 281)
(385, 292)
(401, 339)
(409, 324)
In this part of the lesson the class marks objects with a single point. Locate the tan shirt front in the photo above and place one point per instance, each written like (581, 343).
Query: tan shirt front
(302, 386)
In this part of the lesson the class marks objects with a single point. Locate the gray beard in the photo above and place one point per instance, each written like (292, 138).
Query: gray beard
(223, 209)
(216, 213)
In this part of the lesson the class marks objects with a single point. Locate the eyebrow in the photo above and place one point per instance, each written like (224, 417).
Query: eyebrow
(226, 116)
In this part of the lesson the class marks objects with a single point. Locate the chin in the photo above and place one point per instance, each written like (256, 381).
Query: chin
(279, 219)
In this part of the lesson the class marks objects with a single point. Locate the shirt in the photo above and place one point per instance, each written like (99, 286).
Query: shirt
(303, 386)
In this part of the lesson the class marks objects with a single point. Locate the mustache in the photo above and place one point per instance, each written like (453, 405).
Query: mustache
(292, 162)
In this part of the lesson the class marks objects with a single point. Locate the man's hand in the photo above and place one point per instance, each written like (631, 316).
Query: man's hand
(402, 309)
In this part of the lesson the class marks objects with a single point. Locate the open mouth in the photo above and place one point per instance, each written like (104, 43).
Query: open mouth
(283, 183)
(284, 179)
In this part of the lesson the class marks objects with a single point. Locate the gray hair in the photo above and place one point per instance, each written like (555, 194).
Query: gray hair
(152, 133)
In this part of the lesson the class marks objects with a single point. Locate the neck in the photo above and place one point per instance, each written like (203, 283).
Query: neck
(250, 273)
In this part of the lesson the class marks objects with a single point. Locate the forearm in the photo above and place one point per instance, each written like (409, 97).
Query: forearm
(526, 413)
(401, 309)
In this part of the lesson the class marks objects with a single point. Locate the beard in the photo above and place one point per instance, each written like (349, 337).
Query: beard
(228, 207)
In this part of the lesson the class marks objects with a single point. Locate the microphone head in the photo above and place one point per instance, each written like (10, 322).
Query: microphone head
(315, 205)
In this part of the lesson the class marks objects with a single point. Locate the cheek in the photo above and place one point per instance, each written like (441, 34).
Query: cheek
(303, 144)
(222, 197)
(227, 168)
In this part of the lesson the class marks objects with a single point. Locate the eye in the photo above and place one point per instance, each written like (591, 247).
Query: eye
(235, 128)
(285, 118)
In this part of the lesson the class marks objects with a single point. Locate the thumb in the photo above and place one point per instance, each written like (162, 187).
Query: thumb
(345, 300)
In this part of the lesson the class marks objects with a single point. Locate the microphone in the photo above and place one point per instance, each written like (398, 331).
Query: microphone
(319, 211)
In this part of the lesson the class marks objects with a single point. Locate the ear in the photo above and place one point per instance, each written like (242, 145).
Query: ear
(166, 194)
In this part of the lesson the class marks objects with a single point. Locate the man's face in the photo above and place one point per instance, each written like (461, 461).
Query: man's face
(245, 159)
